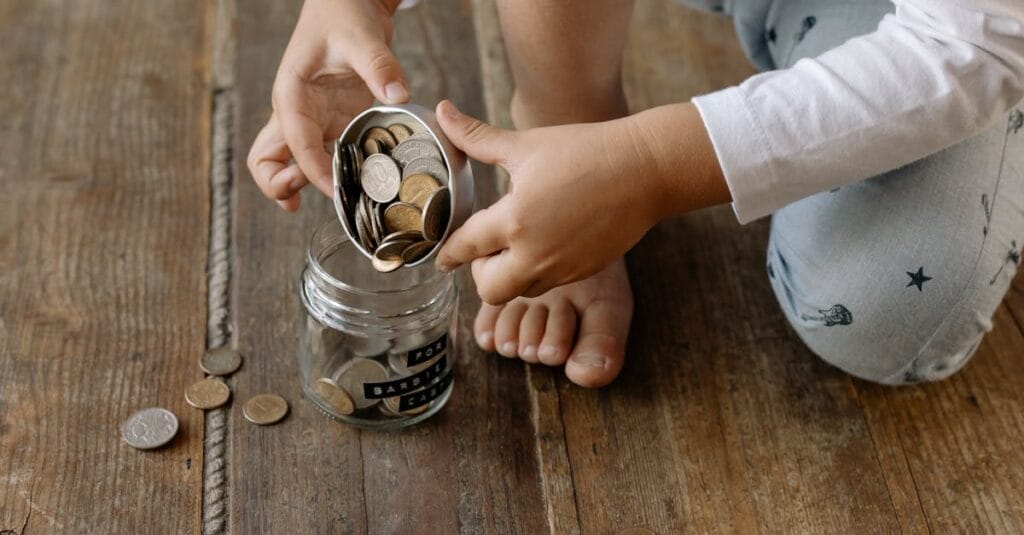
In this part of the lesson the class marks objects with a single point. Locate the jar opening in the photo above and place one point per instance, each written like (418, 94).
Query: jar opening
(336, 261)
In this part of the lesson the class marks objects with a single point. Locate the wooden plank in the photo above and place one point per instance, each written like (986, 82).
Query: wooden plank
(721, 420)
(471, 467)
(103, 243)
(956, 444)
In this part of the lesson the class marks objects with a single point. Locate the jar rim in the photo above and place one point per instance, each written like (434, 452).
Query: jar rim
(313, 262)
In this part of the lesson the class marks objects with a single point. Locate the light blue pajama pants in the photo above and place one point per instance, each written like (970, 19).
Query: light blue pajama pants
(893, 279)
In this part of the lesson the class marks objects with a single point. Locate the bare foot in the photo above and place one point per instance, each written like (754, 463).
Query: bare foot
(582, 325)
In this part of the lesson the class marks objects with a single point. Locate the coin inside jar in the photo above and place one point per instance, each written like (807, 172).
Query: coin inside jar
(334, 395)
(207, 394)
(400, 131)
(359, 371)
(265, 409)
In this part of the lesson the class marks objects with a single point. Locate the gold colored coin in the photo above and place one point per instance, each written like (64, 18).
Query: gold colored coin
(392, 249)
(372, 146)
(207, 394)
(417, 251)
(265, 409)
(220, 361)
(386, 265)
(382, 136)
(400, 131)
(334, 395)
(416, 189)
(402, 216)
(393, 403)
(435, 215)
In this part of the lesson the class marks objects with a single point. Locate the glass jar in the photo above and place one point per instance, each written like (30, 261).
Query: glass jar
(377, 349)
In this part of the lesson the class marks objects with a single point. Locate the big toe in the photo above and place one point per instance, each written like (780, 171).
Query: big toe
(600, 349)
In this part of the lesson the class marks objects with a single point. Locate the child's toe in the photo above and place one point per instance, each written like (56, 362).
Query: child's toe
(558, 334)
(506, 331)
(597, 358)
(483, 327)
(531, 331)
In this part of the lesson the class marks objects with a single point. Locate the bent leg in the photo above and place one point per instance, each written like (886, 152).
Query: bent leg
(895, 279)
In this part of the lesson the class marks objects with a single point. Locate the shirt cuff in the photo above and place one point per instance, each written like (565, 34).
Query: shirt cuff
(743, 152)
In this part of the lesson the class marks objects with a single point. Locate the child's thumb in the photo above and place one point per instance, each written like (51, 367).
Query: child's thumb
(481, 141)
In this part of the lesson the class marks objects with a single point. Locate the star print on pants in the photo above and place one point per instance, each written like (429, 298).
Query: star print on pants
(918, 279)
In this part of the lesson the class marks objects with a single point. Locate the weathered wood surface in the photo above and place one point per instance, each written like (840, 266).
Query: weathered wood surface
(472, 467)
(103, 243)
(721, 420)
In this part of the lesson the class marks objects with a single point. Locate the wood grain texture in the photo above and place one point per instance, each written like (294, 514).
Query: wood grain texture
(103, 243)
(722, 421)
(471, 467)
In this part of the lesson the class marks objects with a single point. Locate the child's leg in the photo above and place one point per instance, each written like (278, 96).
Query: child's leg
(895, 279)
(566, 59)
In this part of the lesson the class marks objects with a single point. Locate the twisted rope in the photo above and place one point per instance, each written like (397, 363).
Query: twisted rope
(218, 327)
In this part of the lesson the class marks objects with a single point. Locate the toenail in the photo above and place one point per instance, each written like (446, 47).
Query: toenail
(528, 351)
(548, 352)
(484, 338)
(590, 360)
(508, 348)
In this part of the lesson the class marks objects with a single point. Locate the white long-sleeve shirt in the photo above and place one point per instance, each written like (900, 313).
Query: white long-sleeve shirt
(933, 74)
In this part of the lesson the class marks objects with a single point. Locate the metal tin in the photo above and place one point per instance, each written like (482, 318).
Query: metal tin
(420, 119)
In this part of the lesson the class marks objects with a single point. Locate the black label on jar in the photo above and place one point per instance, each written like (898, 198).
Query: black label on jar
(427, 352)
(417, 399)
(415, 381)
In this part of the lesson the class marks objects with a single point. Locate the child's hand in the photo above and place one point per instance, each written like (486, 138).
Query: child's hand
(582, 195)
(337, 61)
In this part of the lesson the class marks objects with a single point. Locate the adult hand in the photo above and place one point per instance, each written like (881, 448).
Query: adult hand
(337, 61)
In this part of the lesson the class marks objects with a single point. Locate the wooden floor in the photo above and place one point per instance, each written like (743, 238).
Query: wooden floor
(721, 421)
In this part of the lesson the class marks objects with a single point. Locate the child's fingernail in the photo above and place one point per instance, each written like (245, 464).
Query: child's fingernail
(396, 92)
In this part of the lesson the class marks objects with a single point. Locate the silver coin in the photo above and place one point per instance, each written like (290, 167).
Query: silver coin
(436, 213)
(380, 177)
(404, 235)
(427, 166)
(357, 372)
(368, 347)
(221, 361)
(412, 149)
(149, 428)
(376, 225)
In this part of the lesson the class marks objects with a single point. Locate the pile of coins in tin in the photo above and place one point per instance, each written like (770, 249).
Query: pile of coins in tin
(365, 377)
(394, 195)
(154, 427)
